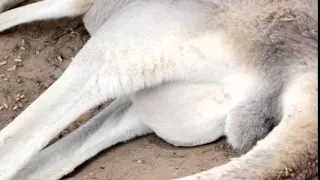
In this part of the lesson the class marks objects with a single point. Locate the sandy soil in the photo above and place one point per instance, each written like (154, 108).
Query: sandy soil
(45, 49)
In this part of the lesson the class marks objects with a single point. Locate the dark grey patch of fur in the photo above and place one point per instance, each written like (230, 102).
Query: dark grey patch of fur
(252, 120)
(285, 43)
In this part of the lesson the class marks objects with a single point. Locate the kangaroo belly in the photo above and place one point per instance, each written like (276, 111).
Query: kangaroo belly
(189, 114)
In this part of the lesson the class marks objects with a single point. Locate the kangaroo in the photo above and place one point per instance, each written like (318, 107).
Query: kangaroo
(188, 71)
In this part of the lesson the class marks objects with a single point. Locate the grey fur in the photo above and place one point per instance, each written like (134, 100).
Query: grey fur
(5, 5)
(278, 40)
(272, 47)
(252, 120)
(100, 12)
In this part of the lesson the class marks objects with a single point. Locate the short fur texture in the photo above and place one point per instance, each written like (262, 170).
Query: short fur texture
(248, 67)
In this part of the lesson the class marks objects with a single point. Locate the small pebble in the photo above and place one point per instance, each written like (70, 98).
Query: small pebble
(22, 42)
(18, 60)
(15, 107)
(141, 161)
(3, 63)
(59, 58)
(5, 105)
(5, 79)
(22, 48)
(37, 52)
(1, 107)
(12, 68)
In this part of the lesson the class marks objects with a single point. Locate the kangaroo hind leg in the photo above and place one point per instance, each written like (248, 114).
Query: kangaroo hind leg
(43, 10)
(291, 145)
(109, 66)
(116, 123)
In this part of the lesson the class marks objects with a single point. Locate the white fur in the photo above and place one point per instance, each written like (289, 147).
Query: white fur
(116, 123)
(263, 160)
(190, 114)
(134, 59)
(182, 82)
(43, 10)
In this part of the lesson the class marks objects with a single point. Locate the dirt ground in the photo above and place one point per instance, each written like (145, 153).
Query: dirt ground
(33, 56)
